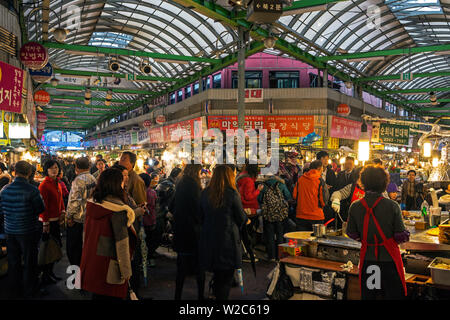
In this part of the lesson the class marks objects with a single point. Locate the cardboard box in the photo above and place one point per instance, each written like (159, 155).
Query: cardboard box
(292, 249)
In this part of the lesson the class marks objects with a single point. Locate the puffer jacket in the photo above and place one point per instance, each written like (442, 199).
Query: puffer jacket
(249, 193)
(21, 204)
(311, 195)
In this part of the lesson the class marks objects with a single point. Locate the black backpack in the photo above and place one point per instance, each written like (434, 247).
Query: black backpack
(274, 207)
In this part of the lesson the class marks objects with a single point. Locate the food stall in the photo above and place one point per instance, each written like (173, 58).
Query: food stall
(326, 265)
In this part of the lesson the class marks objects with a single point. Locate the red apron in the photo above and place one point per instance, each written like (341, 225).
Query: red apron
(390, 244)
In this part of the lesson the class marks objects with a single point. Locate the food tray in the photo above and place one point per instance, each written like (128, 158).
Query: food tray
(440, 275)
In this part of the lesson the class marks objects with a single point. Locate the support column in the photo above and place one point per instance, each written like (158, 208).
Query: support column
(200, 85)
(241, 79)
(325, 78)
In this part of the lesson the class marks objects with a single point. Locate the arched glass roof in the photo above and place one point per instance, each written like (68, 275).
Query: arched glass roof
(176, 27)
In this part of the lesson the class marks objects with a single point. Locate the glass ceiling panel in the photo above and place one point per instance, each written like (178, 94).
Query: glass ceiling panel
(110, 39)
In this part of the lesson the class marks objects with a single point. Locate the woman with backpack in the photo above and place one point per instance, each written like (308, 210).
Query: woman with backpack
(275, 208)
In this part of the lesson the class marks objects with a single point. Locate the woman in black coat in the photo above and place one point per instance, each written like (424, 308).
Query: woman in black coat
(220, 241)
(187, 225)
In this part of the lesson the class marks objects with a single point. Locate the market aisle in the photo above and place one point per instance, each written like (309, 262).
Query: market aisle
(162, 281)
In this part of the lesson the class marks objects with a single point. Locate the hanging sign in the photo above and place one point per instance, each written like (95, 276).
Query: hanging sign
(33, 55)
(147, 124)
(406, 76)
(42, 75)
(155, 135)
(394, 134)
(11, 86)
(347, 129)
(264, 11)
(254, 95)
(41, 98)
(375, 132)
(343, 109)
(142, 136)
(160, 119)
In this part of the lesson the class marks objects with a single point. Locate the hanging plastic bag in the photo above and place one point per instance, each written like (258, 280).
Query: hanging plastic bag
(280, 288)
(49, 251)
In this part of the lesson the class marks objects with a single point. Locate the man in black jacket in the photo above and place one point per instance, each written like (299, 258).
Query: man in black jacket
(347, 176)
(21, 203)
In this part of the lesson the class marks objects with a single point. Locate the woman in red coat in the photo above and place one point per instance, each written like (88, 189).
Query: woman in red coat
(54, 213)
(109, 239)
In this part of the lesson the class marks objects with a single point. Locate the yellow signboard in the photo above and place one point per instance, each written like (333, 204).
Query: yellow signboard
(333, 143)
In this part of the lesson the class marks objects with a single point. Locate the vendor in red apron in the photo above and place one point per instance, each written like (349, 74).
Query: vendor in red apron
(377, 222)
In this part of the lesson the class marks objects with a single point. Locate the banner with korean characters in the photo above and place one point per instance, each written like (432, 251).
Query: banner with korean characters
(155, 135)
(394, 134)
(143, 136)
(11, 86)
(347, 129)
(291, 126)
(127, 138)
(120, 139)
(253, 95)
(134, 137)
(33, 55)
(231, 122)
(176, 131)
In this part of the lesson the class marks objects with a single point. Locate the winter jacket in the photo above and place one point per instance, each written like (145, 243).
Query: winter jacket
(165, 192)
(389, 217)
(186, 215)
(150, 216)
(311, 195)
(81, 191)
(65, 192)
(270, 181)
(52, 195)
(249, 193)
(220, 241)
(21, 203)
(108, 246)
(136, 188)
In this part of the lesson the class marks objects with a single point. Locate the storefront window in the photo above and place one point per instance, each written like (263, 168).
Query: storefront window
(253, 79)
(180, 95)
(282, 79)
(217, 78)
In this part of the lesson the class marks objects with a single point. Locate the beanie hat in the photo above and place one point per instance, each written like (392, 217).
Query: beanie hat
(392, 187)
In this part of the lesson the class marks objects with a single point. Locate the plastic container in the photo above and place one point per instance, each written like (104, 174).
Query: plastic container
(439, 275)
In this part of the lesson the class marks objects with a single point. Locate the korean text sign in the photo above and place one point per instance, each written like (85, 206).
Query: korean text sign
(11, 85)
(394, 134)
(347, 129)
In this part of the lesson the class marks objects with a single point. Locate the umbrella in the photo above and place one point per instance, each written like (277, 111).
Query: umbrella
(247, 247)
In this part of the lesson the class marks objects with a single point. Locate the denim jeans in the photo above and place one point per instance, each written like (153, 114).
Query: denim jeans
(273, 236)
(22, 246)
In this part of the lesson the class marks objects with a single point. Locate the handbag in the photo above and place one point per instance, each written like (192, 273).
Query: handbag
(49, 251)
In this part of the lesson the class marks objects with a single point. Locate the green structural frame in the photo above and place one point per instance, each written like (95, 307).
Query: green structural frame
(109, 74)
(397, 76)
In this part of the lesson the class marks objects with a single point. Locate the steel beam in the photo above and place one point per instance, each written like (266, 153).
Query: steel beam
(109, 74)
(384, 53)
(56, 104)
(397, 76)
(125, 52)
(418, 90)
(82, 88)
(81, 98)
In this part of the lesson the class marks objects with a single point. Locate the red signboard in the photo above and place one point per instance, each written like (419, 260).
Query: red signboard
(147, 124)
(175, 132)
(155, 135)
(41, 98)
(42, 117)
(33, 55)
(11, 86)
(343, 109)
(253, 95)
(231, 122)
(291, 126)
(347, 129)
(160, 119)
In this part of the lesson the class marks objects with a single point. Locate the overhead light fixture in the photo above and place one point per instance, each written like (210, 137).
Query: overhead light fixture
(60, 34)
(145, 67)
(433, 97)
(304, 10)
(269, 42)
(113, 65)
(364, 143)
(366, 59)
(427, 149)
(88, 93)
(116, 81)
(54, 82)
(108, 98)
(97, 81)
